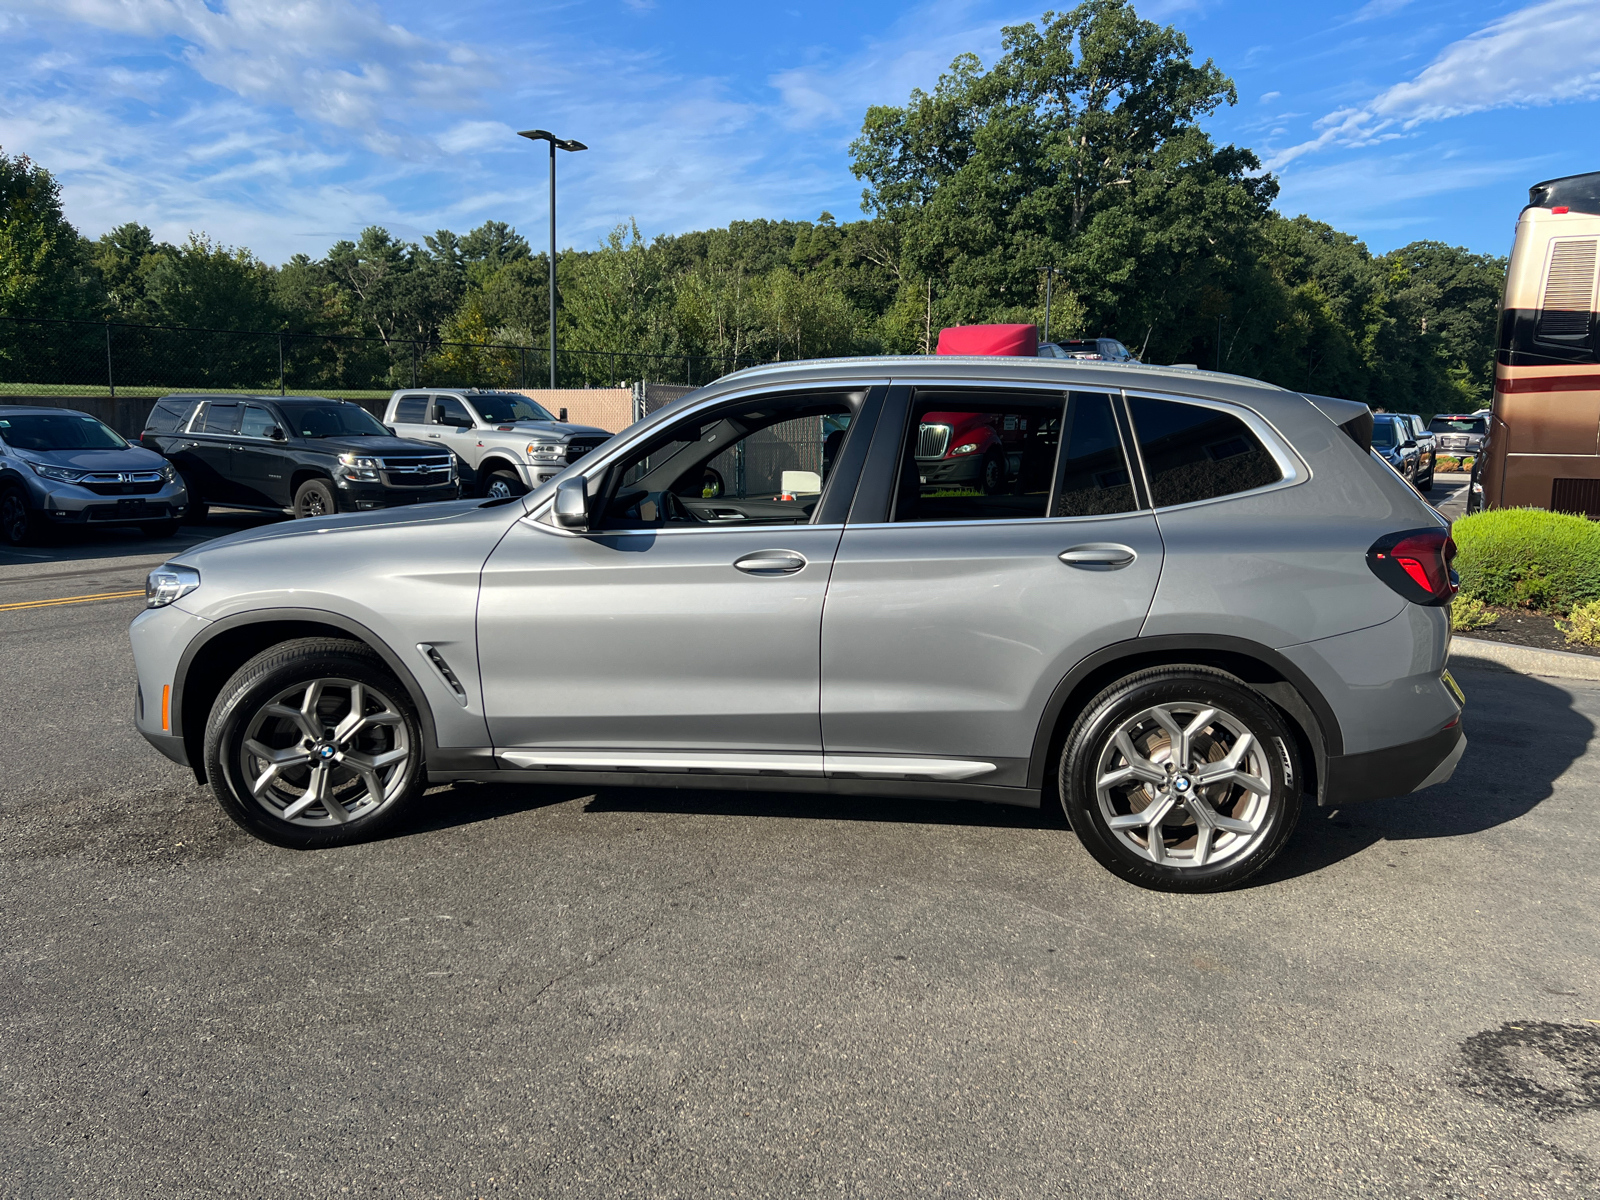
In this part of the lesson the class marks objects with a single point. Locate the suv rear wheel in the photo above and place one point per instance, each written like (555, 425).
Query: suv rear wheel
(314, 743)
(1181, 779)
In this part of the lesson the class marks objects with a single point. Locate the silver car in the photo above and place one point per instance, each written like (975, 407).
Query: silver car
(1195, 600)
(62, 468)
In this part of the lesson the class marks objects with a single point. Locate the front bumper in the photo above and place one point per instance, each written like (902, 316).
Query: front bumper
(966, 471)
(64, 504)
(360, 497)
(1394, 770)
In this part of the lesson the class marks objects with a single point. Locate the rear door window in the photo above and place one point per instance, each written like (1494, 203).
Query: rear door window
(979, 455)
(1095, 480)
(412, 410)
(1193, 453)
(220, 418)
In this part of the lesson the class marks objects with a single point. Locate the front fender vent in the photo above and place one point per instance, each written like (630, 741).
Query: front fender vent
(431, 653)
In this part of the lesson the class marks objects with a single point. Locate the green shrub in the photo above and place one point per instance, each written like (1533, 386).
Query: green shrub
(1583, 627)
(1528, 557)
(1467, 613)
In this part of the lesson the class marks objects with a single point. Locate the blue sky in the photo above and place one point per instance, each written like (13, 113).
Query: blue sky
(284, 125)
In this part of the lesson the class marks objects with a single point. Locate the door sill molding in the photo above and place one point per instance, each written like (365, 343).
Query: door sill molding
(865, 766)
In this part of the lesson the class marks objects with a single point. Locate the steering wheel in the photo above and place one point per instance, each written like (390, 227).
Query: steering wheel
(673, 509)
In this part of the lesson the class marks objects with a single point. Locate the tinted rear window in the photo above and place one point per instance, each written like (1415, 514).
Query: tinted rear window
(1459, 425)
(1193, 453)
(1094, 474)
(167, 416)
(220, 418)
(412, 410)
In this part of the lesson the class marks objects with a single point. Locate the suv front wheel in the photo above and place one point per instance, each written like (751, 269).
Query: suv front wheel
(1181, 779)
(314, 743)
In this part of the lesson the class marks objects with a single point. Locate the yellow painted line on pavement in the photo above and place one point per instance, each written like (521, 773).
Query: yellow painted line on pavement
(20, 604)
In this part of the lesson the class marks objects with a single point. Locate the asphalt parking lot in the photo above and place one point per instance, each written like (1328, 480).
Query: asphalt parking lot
(531, 991)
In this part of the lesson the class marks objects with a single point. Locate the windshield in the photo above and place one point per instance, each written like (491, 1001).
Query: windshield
(503, 410)
(333, 420)
(1459, 425)
(58, 431)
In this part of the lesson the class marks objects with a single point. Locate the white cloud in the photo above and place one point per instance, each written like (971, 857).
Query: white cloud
(1374, 9)
(1547, 53)
(1269, 97)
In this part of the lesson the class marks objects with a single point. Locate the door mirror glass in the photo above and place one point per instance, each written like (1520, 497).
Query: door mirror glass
(277, 434)
(572, 504)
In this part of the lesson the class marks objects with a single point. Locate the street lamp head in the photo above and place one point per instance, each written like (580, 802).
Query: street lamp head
(544, 135)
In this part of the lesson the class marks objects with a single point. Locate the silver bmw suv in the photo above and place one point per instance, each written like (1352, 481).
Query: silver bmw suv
(1188, 602)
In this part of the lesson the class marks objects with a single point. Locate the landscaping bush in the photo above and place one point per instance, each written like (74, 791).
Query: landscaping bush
(1529, 558)
(1583, 627)
(1467, 613)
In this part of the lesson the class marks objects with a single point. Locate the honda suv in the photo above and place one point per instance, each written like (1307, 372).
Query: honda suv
(302, 454)
(1194, 601)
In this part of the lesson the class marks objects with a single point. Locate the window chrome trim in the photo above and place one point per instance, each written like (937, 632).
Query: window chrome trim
(1294, 469)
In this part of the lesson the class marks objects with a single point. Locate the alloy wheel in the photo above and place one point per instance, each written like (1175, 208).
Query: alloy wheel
(1184, 785)
(498, 489)
(326, 753)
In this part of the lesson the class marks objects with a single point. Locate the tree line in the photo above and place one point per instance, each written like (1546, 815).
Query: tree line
(1078, 156)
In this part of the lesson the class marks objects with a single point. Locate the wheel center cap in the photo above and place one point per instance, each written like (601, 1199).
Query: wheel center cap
(1181, 784)
(324, 751)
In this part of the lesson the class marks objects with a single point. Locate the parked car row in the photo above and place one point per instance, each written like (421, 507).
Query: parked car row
(1407, 445)
(306, 455)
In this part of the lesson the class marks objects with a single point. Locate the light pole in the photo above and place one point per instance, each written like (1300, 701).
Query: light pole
(544, 135)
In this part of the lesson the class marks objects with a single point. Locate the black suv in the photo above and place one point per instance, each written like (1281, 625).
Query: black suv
(303, 453)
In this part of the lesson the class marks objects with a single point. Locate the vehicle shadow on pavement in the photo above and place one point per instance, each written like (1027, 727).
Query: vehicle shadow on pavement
(90, 545)
(1523, 734)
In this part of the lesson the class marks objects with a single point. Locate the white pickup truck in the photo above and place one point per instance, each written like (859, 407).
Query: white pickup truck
(504, 444)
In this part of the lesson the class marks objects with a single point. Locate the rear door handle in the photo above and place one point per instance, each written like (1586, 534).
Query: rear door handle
(771, 562)
(1098, 556)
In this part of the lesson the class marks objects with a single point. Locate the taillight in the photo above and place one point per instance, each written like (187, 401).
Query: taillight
(1416, 563)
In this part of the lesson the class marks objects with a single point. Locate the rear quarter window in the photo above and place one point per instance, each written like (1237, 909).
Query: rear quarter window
(167, 417)
(1192, 453)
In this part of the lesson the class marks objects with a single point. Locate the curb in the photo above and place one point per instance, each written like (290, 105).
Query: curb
(1560, 664)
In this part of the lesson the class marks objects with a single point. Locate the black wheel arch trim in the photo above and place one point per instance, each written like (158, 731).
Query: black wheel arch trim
(1325, 738)
(308, 616)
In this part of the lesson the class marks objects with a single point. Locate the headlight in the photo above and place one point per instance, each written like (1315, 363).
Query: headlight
(169, 473)
(358, 467)
(59, 474)
(546, 450)
(965, 448)
(168, 583)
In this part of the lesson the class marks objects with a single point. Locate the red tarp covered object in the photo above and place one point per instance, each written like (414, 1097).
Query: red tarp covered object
(1018, 340)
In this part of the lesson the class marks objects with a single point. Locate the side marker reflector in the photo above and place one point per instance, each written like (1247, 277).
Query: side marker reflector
(166, 707)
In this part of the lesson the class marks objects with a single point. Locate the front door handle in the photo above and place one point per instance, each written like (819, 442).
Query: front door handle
(1099, 556)
(771, 562)
(433, 435)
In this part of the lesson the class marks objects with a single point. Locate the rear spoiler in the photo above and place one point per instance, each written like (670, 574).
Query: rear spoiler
(1350, 416)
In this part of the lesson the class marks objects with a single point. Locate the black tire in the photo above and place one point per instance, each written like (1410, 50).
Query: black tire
(1427, 484)
(239, 719)
(1228, 857)
(501, 485)
(315, 498)
(161, 529)
(20, 525)
(198, 509)
(992, 475)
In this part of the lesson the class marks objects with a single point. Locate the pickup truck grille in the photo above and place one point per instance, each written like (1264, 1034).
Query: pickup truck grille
(578, 447)
(932, 440)
(415, 470)
(122, 483)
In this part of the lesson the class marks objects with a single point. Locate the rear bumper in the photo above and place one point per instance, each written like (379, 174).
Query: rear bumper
(1394, 770)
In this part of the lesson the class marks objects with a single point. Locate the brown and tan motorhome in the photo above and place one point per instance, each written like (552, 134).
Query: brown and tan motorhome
(1544, 434)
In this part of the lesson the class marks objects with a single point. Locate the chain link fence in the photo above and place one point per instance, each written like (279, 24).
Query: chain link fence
(45, 357)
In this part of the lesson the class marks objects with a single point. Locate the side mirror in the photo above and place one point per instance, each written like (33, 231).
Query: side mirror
(562, 416)
(1411, 445)
(572, 503)
(276, 434)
